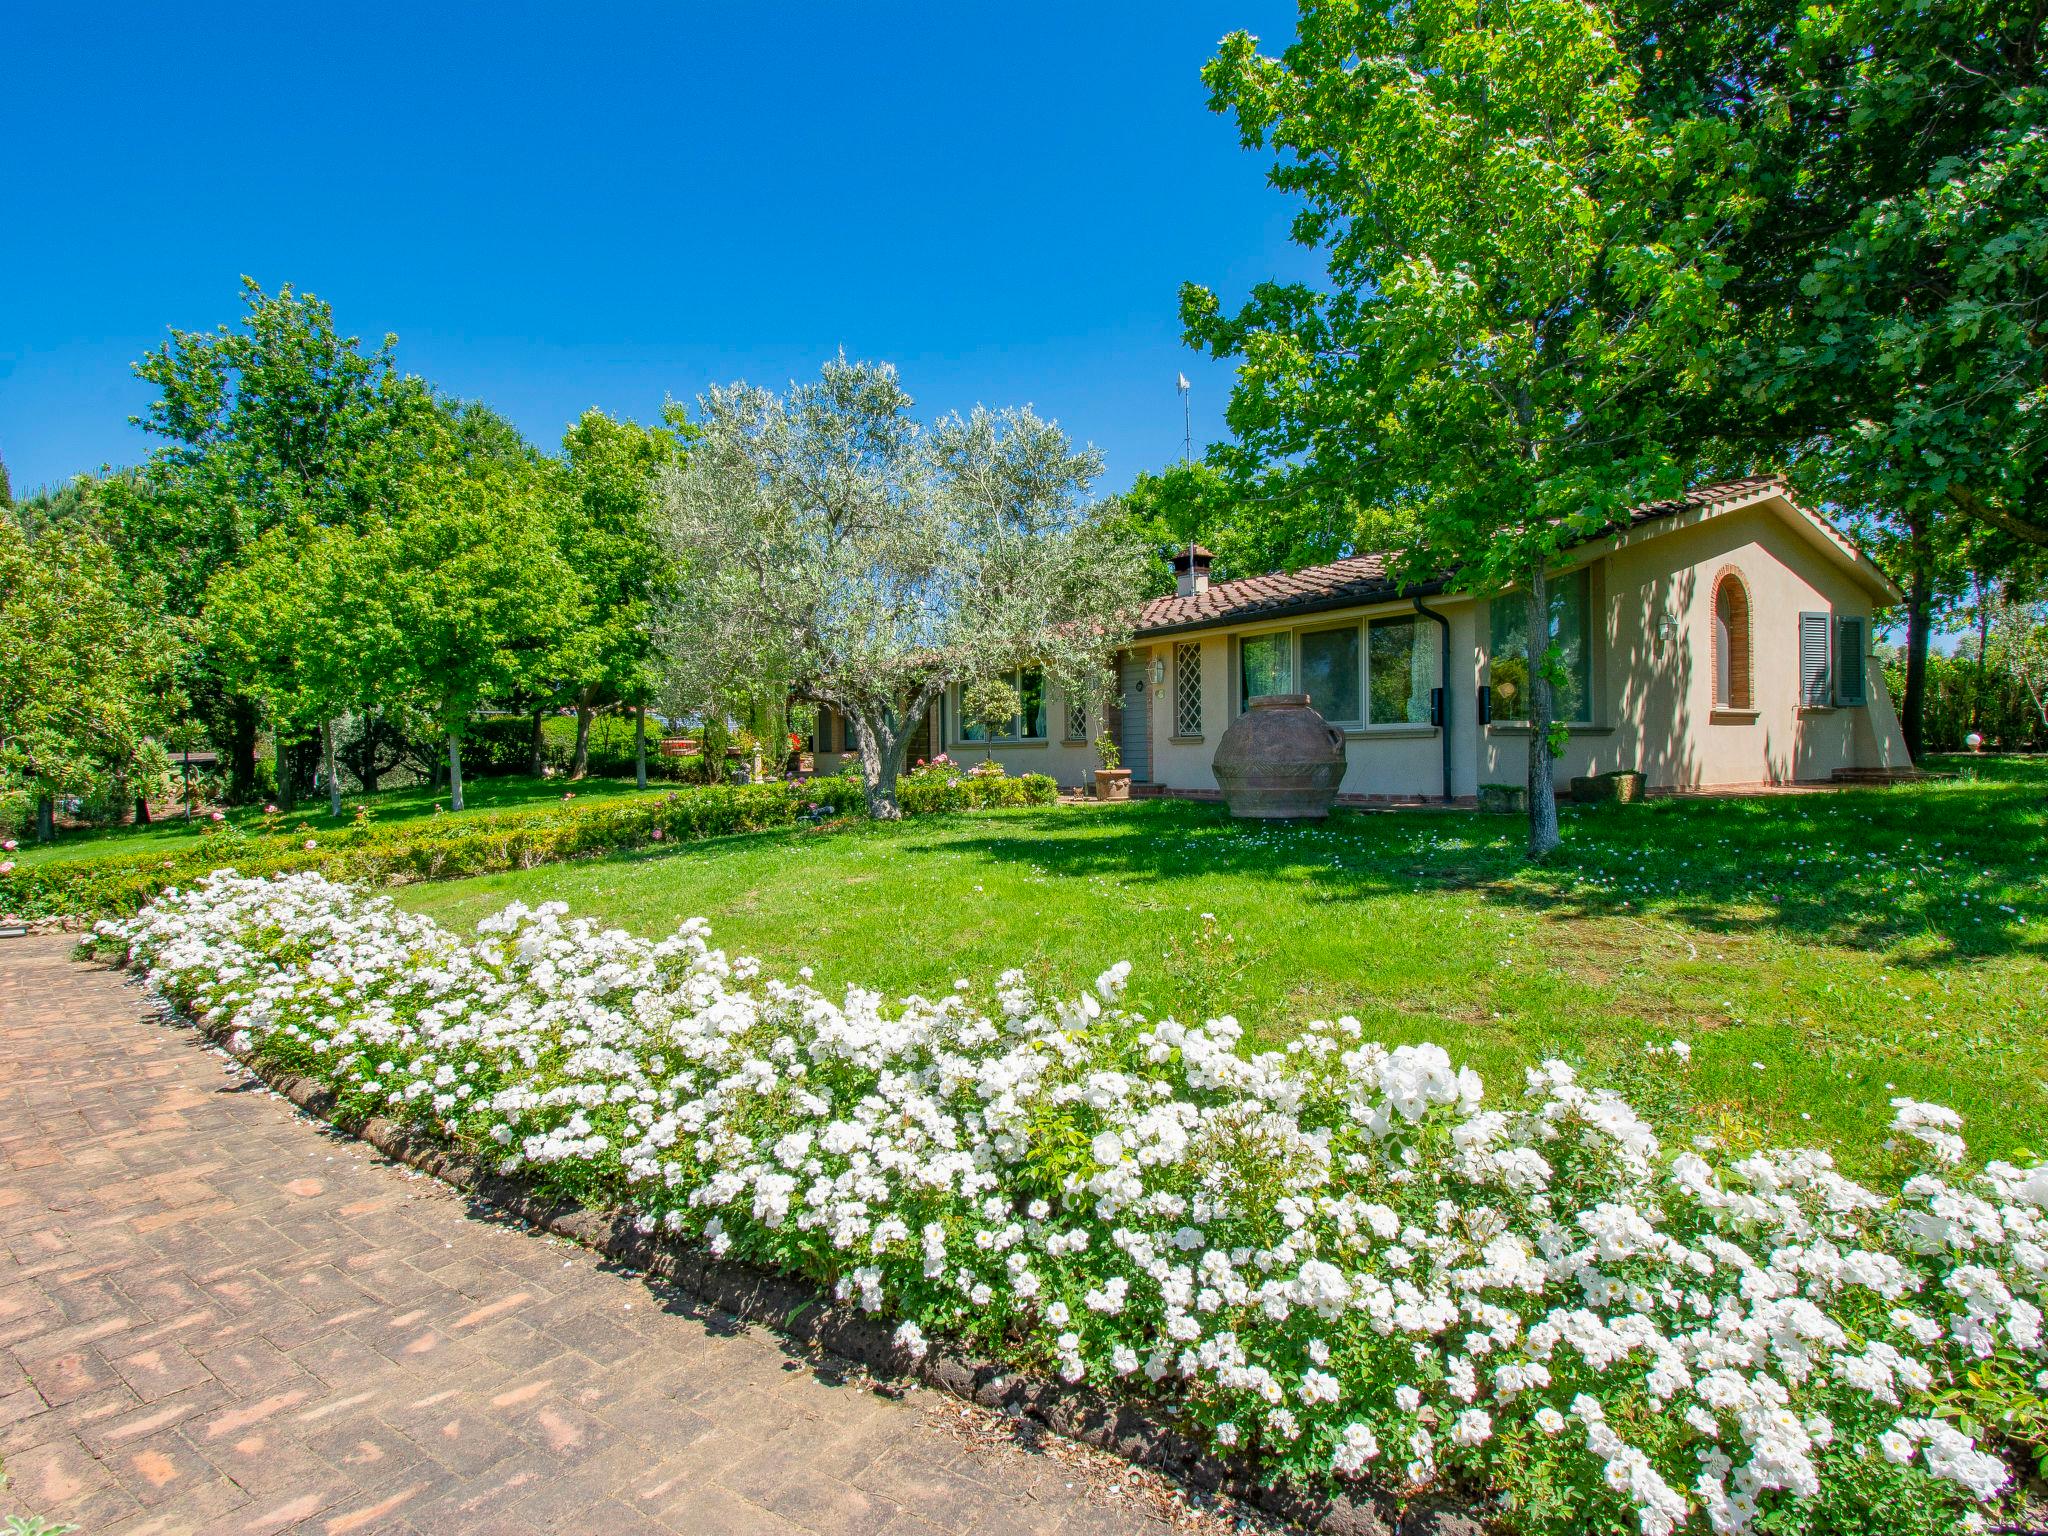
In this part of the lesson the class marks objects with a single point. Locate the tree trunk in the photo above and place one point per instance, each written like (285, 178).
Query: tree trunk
(242, 750)
(281, 763)
(1919, 617)
(1543, 834)
(46, 819)
(884, 741)
(640, 745)
(579, 764)
(454, 771)
(368, 771)
(327, 734)
(539, 760)
(142, 810)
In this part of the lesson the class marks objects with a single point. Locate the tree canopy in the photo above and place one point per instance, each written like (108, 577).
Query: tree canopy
(826, 540)
(1507, 325)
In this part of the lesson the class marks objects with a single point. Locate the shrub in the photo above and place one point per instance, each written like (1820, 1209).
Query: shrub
(940, 786)
(1338, 1259)
(433, 848)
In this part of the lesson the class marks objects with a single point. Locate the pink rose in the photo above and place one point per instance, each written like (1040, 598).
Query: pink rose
(655, 834)
(8, 845)
(311, 844)
(270, 810)
(219, 815)
(6, 866)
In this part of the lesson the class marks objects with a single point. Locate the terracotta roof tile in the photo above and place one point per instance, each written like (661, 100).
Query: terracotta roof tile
(1364, 578)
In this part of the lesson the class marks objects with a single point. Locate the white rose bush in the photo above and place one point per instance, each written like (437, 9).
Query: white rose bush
(1340, 1261)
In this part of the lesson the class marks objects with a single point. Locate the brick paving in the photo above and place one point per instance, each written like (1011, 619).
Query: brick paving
(217, 1316)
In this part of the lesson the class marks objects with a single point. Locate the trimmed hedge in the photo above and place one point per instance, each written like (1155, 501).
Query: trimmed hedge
(439, 847)
(923, 794)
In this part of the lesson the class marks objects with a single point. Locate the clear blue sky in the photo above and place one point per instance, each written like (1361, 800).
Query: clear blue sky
(562, 206)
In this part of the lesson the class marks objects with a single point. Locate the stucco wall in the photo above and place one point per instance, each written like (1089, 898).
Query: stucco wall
(1653, 670)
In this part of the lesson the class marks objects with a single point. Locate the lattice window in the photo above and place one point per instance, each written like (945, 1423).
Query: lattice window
(1077, 718)
(1187, 688)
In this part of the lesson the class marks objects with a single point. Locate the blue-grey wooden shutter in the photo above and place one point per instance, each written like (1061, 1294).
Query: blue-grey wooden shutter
(1814, 685)
(1849, 662)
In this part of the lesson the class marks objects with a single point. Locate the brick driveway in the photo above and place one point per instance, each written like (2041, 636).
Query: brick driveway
(216, 1317)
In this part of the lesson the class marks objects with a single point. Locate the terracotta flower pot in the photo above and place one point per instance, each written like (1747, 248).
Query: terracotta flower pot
(1280, 760)
(1112, 783)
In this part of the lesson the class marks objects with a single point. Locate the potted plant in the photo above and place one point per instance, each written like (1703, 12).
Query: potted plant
(1112, 780)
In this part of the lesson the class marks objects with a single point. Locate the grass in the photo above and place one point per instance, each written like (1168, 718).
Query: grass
(167, 834)
(1821, 953)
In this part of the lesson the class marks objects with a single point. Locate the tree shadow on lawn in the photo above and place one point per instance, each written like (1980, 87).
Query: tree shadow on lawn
(1933, 874)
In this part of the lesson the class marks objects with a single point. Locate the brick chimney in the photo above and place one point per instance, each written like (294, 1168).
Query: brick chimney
(1191, 569)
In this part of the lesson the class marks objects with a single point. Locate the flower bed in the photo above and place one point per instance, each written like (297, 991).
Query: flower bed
(438, 847)
(1338, 1259)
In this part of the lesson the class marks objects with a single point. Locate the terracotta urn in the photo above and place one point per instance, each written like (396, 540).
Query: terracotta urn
(1280, 760)
(1112, 783)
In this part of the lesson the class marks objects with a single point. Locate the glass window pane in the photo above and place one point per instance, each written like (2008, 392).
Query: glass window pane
(1329, 672)
(1267, 666)
(1403, 671)
(1508, 669)
(1031, 693)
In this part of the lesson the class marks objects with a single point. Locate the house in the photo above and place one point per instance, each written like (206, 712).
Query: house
(1723, 638)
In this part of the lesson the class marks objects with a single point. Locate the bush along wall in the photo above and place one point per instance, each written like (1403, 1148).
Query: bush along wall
(439, 847)
(1340, 1262)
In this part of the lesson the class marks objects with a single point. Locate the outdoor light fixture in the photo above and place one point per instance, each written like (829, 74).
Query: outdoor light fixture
(1159, 669)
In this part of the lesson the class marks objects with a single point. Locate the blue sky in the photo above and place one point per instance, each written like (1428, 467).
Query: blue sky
(556, 207)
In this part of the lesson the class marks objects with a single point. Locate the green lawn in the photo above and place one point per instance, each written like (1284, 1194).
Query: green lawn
(1819, 952)
(390, 805)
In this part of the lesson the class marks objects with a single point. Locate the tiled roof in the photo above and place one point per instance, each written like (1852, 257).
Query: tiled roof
(1364, 578)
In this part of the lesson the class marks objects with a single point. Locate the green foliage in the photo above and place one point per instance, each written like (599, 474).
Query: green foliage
(1250, 530)
(1882, 171)
(607, 538)
(990, 703)
(1962, 697)
(279, 419)
(85, 670)
(926, 791)
(431, 848)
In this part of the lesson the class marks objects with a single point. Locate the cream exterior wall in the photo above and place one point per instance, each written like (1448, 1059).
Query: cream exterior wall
(1653, 668)
(1652, 591)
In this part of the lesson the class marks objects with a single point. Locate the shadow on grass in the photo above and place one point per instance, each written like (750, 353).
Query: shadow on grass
(1934, 872)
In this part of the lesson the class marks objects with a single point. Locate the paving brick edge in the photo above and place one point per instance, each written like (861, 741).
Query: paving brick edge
(805, 1313)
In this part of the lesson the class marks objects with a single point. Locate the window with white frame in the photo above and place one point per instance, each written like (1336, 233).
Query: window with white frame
(1265, 666)
(1077, 717)
(1401, 663)
(1187, 688)
(1570, 631)
(1330, 672)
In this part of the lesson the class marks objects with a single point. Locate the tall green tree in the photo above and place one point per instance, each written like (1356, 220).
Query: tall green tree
(1507, 320)
(829, 541)
(608, 539)
(1878, 170)
(301, 626)
(471, 582)
(85, 672)
(276, 420)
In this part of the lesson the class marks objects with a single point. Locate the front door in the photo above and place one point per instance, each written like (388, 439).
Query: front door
(1137, 719)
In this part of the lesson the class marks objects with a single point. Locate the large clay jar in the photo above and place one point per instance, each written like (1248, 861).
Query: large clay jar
(1280, 760)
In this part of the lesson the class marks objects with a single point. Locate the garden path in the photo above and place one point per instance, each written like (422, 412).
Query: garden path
(216, 1315)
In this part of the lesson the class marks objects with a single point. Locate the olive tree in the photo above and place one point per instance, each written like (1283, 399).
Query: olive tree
(826, 542)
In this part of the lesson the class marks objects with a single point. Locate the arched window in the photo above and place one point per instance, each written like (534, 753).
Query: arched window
(1731, 643)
